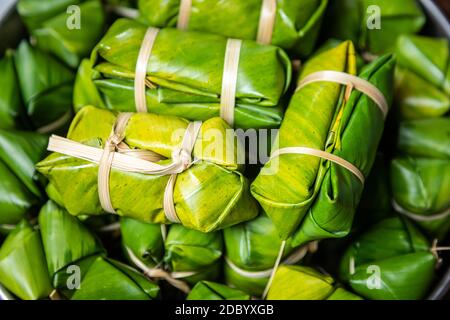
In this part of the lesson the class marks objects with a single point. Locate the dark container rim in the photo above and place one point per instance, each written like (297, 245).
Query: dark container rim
(440, 26)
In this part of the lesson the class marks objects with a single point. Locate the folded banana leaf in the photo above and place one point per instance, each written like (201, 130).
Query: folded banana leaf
(422, 79)
(297, 22)
(46, 87)
(207, 290)
(392, 260)
(211, 194)
(185, 70)
(252, 249)
(309, 198)
(185, 250)
(10, 101)
(420, 174)
(305, 283)
(66, 241)
(69, 29)
(20, 189)
(23, 269)
(107, 279)
(373, 209)
(374, 25)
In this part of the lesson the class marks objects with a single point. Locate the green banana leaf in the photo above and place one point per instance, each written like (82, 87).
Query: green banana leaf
(46, 87)
(186, 69)
(190, 250)
(10, 101)
(144, 240)
(420, 174)
(422, 79)
(296, 29)
(84, 91)
(309, 198)
(252, 246)
(21, 189)
(23, 269)
(305, 283)
(15, 198)
(185, 250)
(207, 290)
(375, 204)
(66, 241)
(107, 279)
(392, 260)
(350, 20)
(342, 294)
(69, 29)
(211, 194)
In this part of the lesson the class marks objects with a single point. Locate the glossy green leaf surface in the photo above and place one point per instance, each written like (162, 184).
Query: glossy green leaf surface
(207, 290)
(185, 250)
(423, 77)
(309, 198)
(212, 194)
(374, 25)
(392, 260)
(186, 70)
(305, 283)
(110, 280)
(20, 189)
(23, 269)
(65, 238)
(252, 246)
(68, 29)
(45, 84)
(420, 174)
(297, 22)
(10, 101)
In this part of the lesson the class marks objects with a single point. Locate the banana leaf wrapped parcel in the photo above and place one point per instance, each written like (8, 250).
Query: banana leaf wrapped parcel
(420, 173)
(422, 79)
(306, 283)
(68, 245)
(107, 279)
(252, 249)
(183, 254)
(292, 25)
(184, 75)
(309, 198)
(207, 290)
(206, 194)
(68, 29)
(23, 268)
(46, 88)
(374, 25)
(20, 189)
(392, 260)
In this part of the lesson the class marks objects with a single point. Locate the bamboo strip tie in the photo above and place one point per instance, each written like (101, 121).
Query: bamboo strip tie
(171, 277)
(229, 80)
(141, 68)
(111, 157)
(352, 82)
(184, 14)
(266, 21)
